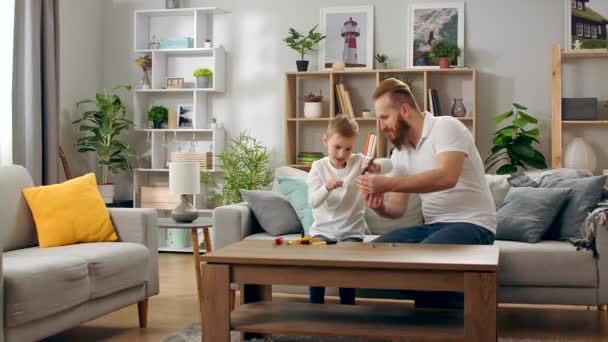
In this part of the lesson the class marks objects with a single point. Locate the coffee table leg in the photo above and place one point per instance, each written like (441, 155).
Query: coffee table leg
(207, 240)
(480, 305)
(255, 293)
(197, 268)
(215, 306)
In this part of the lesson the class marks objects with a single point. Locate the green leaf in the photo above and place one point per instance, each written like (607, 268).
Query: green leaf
(106, 131)
(502, 140)
(83, 102)
(506, 169)
(524, 150)
(502, 117)
(531, 133)
(528, 118)
(84, 128)
(520, 123)
(520, 107)
(538, 161)
(86, 149)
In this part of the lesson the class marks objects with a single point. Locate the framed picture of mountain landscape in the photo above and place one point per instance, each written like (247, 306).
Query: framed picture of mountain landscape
(586, 24)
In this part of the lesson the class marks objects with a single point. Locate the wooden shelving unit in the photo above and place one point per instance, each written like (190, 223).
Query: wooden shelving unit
(304, 135)
(198, 24)
(558, 58)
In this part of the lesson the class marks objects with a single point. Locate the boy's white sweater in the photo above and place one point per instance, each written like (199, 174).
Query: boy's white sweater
(338, 214)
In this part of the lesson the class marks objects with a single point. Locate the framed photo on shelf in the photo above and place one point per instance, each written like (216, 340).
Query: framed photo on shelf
(185, 114)
(586, 24)
(175, 82)
(431, 22)
(350, 37)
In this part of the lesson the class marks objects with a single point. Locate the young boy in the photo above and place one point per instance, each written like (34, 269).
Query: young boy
(337, 204)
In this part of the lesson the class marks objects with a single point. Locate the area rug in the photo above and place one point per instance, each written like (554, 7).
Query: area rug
(193, 334)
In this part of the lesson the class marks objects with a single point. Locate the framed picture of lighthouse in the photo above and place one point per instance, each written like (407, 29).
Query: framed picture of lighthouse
(431, 22)
(350, 37)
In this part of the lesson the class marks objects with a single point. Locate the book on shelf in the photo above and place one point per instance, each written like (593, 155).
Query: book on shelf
(370, 145)
(431, 107)
(435, 101)
(344, 101)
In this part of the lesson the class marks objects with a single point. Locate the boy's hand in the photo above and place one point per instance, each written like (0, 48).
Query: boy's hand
(370, 167)
(375, 202)
(374, 184)
(333, 184)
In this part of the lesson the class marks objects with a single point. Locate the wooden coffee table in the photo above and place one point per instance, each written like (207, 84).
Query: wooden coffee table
(256, 265)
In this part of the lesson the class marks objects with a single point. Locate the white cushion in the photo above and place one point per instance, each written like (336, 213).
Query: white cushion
(499, 187)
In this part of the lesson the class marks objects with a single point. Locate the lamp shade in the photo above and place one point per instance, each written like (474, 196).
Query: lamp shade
(184, 178)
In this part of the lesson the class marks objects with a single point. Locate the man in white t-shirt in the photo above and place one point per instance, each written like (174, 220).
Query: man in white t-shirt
(436, 158)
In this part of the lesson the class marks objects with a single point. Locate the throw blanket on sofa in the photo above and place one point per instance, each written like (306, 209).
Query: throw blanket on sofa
(595, 220)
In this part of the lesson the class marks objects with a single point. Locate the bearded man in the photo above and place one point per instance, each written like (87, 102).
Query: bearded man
(436, 158)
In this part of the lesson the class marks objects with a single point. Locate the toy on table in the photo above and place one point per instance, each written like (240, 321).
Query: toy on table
(279, 241)
(310, 241)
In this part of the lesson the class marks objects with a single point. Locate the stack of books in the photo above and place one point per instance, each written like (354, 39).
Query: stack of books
(343, 102)
(205, 159)
(307, 158)
(370, 145)
(434, 107)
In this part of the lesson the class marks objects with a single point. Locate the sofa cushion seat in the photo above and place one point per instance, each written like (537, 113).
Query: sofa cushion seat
(545, 264)
(37, 285)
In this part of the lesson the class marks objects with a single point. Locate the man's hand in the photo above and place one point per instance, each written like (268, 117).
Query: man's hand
(375, 202)
(374, 184)
(333, 184)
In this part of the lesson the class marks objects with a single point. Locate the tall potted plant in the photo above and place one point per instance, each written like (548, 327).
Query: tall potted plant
(302, 44)
(246, 165)
(513, 143)
(102, 126)
(446, 52)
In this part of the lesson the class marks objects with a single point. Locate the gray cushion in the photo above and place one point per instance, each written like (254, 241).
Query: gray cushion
(546, 264)
(38, 285)
(18, 230)
(273, 212)
(586, 193)
(527, 213)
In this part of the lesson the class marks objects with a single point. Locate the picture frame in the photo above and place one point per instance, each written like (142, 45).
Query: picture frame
(185, 116)
(350, 37)
(433, 21)
(175, 82)
(583, 22)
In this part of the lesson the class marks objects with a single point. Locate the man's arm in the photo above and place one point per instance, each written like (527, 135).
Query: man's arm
(394, 207)
(444, 176)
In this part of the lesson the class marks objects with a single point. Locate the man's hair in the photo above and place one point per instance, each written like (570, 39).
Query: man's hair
(399, 92)
(343, 125)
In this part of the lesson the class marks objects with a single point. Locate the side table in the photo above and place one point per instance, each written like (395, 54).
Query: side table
(200, 223)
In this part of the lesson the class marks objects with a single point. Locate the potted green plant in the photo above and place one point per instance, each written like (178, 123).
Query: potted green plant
(203, 77)
(513, 143)
(102, 127)
(382, 60)
(446, 52)
(302, 44)
(246, 165)
(312, 105)
(158, 115)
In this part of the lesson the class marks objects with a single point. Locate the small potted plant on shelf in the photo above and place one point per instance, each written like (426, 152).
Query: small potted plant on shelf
(213, 122)
(158, 115)
(103, 126)
(382, 60)
(446, 52)
(312, 105)
(203, 77)
(302, 44)
(145, 62)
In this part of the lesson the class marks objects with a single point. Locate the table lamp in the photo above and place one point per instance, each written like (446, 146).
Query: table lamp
(184, 179)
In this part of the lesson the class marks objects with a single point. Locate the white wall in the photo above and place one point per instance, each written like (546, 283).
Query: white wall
(508, 42)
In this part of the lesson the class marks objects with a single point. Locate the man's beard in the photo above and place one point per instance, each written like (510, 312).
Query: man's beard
(401, 134)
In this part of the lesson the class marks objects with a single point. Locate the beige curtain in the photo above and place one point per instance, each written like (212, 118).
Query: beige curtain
(36, 89)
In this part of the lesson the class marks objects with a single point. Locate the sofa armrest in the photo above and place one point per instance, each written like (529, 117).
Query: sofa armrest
(601, 245)
(140, 226)
(233, 223)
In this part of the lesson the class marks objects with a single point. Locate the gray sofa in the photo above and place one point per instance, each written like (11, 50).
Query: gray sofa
(548, 272)
(48, 290)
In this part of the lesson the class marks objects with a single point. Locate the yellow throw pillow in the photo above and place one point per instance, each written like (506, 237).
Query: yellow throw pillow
(70, 213)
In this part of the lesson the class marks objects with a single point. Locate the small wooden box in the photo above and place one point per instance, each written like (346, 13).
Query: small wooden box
(583, 108)
(158, 197)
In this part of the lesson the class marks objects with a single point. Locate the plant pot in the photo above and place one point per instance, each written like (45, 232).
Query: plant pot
(382, 66)
(444, 62)
(367, 114)
(580, 155)
(312, 110)
(157, 124)
(302, 65)
(107, 192)
(202, 82)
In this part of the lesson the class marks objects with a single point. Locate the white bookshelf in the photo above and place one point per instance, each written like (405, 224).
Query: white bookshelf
(152, 171)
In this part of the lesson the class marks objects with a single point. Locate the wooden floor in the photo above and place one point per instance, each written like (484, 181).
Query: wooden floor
(176, 308)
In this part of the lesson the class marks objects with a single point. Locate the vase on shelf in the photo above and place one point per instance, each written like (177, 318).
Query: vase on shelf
(145, 81)
(312, 110)
(579, 155)
(458, 108)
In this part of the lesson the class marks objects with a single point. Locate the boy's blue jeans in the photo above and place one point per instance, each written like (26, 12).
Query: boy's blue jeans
(460, 233)
(347, 295)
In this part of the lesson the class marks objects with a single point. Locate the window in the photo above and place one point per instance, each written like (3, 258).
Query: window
(573, 3)
(579, 29)
(593, 31)
(587, 30)
(580, 5)
(599, 30)
(7, 13)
